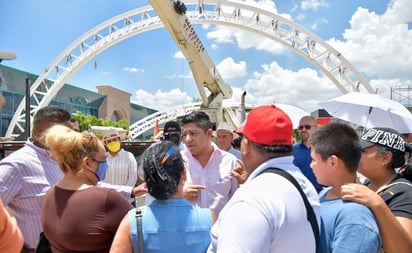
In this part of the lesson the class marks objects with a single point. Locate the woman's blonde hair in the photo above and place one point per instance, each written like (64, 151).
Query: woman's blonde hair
(68, 147)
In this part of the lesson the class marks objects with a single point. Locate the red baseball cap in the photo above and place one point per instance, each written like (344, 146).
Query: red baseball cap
(268, 125)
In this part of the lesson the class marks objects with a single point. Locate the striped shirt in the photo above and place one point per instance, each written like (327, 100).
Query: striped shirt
(122, 168)
(25, 177)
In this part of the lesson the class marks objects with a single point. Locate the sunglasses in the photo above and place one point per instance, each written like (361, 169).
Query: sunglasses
(306, 127)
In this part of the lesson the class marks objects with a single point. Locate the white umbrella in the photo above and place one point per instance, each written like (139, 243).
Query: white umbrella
(370, 110)
(294, 112)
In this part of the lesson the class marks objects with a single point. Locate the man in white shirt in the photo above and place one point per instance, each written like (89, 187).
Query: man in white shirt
(122, 164)
(267, 213)
(209, 181)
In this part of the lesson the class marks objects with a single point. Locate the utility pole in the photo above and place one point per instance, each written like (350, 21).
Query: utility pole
(27, 118)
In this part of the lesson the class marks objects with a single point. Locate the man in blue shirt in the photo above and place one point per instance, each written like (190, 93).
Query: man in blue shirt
(346, 226)
(301, 150)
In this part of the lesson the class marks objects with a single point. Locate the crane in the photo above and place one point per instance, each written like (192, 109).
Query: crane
(173, 15)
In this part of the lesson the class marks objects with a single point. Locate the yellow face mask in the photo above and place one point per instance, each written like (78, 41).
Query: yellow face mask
(113, 146)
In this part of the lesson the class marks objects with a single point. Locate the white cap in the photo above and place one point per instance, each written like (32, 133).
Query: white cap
(103, 132)
(7, 55)
(110, 135)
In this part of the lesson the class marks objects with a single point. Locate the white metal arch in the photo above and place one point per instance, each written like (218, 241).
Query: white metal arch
(143, 125)
(148, 122)
(131, 23)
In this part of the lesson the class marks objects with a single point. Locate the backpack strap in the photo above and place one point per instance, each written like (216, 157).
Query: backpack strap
(310, 214)
(139, 242)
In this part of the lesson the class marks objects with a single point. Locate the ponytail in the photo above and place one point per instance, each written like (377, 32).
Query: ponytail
(406, 170)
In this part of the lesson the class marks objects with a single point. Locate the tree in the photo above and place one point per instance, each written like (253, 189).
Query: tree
(194, 100)
(85, 121)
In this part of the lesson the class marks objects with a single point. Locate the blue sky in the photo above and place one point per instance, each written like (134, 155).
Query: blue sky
(375, 36)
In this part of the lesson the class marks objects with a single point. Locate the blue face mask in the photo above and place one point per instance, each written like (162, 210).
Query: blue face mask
(101, 170)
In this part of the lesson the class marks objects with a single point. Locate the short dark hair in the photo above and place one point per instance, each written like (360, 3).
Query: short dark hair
(272, 151)
(48, 116)
(201, 119)
(51, 114)
(338, 139)
(162, 165)
(236, 142)
(171, 126)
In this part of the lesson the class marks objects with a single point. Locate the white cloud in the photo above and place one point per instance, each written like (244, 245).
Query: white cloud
(162, 100)
(313, 4)
(383, 86)
(314, 25)
(179, 55)
(300, 17)
(244, 40)
(268, 5)
(400, 10)
(284, 86)
(236, 96)
(133, 69)
(228, 68)
(379, 45)
(179, 76)
(221, 35)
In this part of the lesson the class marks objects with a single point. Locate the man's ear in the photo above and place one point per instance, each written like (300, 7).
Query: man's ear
(245, 146)
(209, 132)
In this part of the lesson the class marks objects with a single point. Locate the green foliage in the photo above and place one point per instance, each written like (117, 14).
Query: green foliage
(85, 121)
(296, 135)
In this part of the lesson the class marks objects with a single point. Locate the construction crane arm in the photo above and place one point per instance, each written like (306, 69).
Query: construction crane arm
(173, 15)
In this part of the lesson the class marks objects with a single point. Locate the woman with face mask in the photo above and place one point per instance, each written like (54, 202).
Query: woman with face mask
(76, 215)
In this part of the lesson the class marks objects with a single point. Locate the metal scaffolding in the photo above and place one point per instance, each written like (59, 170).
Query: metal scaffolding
(403, 95)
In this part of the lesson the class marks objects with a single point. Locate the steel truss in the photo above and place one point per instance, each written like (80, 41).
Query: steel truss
(238, 15)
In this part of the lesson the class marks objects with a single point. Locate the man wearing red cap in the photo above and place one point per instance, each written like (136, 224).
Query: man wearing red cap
(268, 207)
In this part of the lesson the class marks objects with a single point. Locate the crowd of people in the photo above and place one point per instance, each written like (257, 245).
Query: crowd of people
(268, 195)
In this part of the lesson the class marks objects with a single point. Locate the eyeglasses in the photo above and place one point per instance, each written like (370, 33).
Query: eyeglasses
(97, 161)
(306, 127)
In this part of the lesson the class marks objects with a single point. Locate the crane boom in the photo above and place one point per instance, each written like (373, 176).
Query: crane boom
(173, 15)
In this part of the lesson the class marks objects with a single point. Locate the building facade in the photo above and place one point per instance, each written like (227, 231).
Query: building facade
(107, 102)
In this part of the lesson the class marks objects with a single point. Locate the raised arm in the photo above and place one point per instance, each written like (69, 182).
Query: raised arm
(396, 232)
